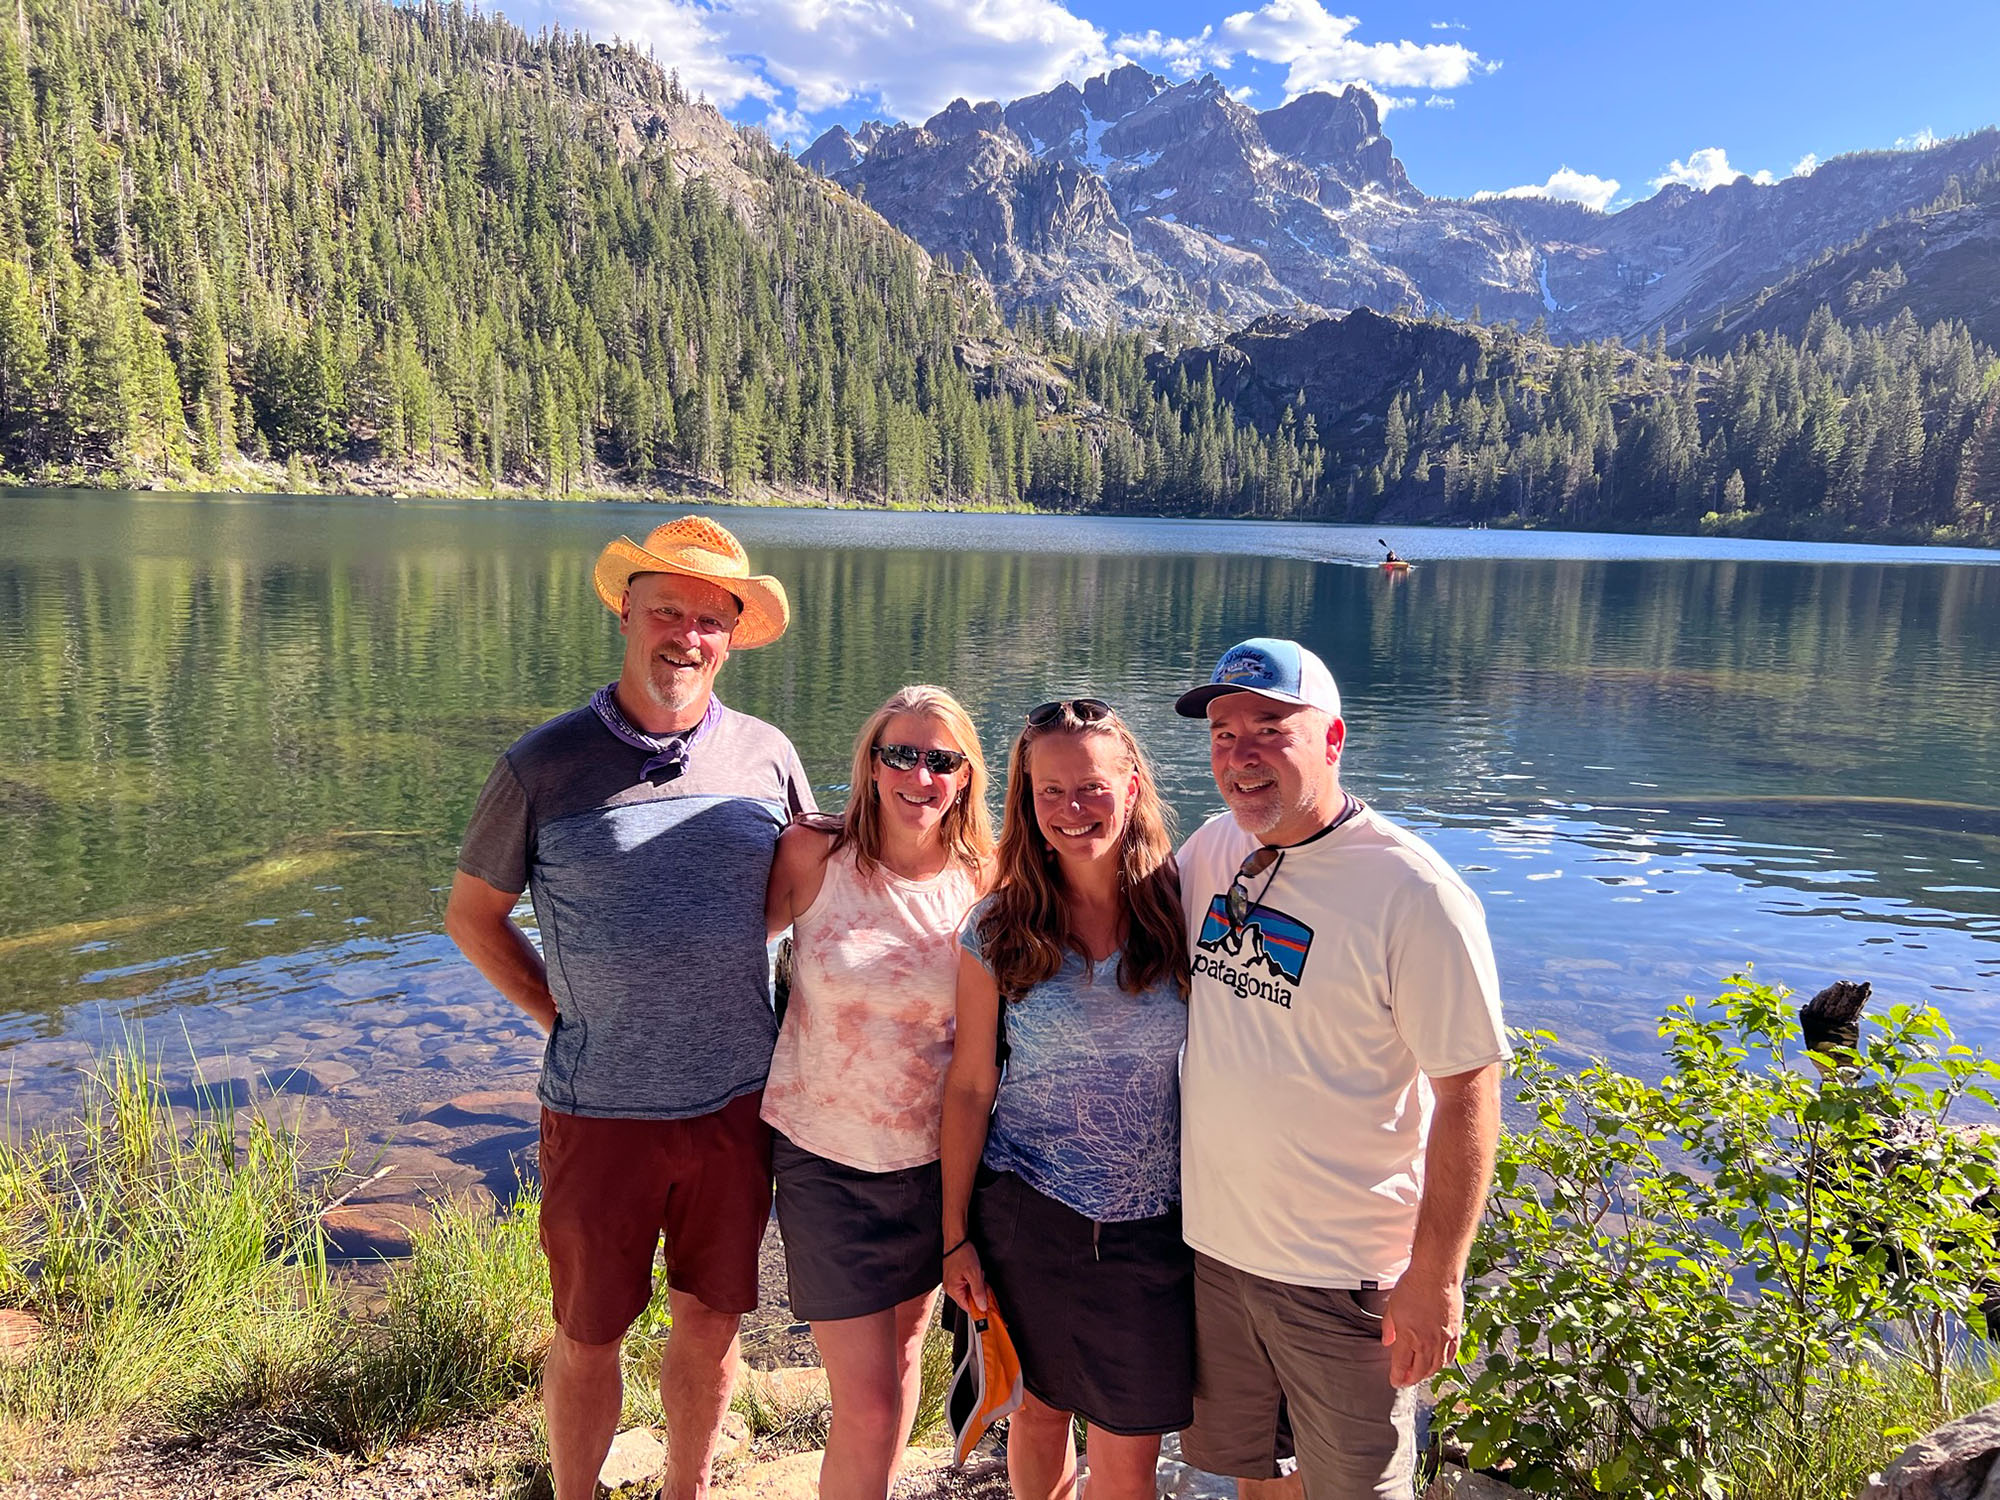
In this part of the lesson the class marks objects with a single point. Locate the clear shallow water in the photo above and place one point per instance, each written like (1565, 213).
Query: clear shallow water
(241, 737)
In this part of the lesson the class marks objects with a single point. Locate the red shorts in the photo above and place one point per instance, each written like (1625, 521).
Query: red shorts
(610, 1188)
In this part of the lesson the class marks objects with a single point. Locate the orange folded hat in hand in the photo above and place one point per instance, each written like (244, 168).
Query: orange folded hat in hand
(985, 1377)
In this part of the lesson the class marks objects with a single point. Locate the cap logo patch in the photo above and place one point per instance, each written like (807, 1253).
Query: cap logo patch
(1244, 666)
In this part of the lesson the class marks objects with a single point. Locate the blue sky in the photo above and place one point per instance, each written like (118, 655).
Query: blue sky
(1481, 97)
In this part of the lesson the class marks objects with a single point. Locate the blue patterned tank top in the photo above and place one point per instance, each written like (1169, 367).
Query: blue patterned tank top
(1089, 1110)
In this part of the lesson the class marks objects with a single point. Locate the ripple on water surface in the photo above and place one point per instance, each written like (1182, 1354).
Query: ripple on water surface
(246, 735)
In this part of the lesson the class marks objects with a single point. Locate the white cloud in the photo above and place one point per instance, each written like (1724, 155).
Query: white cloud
(1923, 140)
(684, 38)
(787, 125)
(909, 58)
(1567, 186)
(1316, 48)
(1709, 168)
(1448, 26)
(1704, 169)
(1183, 57)
(1440, 101)
(799, 59)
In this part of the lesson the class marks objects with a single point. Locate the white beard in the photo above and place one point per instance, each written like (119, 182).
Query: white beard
(675, 690)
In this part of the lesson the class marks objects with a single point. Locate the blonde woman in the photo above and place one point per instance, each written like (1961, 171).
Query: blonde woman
(1062, 1180)
(874, 901)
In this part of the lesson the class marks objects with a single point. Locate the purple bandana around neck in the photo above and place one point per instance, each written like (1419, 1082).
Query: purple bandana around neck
(669, 752)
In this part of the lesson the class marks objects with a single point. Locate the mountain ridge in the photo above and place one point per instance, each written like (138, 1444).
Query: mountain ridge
(1175, 200)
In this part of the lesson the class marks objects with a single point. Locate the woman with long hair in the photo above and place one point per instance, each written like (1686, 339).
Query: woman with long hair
(874, 900)
(1062, 1174)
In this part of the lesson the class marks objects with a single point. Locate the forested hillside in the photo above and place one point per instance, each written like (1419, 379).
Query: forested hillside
(342, 243)
(1889, 431)
(419, 239)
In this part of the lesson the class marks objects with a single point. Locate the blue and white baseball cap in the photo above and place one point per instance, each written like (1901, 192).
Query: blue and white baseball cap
(1283, 671)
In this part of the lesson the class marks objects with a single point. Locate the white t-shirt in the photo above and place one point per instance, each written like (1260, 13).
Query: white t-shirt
(1363, 971)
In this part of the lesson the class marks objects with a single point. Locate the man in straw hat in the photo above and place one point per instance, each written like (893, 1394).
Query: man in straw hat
(643, 824)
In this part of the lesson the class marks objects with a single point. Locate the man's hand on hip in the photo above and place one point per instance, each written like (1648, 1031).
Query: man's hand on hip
(1421, 1326)
(479, 918)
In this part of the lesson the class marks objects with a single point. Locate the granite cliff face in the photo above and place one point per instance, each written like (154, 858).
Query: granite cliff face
(1132, 199)
(1348, 368)
(1942, 263)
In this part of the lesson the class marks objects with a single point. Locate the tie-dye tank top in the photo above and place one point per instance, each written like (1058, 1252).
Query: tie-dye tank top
(858, 1076)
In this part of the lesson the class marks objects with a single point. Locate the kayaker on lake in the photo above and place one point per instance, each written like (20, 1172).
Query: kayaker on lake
(1062, 1195)
(644, 825)
(875, 901)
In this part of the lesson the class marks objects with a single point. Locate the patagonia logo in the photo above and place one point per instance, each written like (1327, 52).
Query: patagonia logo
(1265, 958)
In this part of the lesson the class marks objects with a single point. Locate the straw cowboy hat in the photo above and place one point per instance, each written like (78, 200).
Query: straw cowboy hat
(698, 548)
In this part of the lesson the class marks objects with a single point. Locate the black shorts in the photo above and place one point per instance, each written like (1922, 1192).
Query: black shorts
(856, 1242)
(1102, 1314)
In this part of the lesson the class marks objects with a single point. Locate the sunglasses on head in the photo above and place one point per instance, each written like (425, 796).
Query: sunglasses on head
(908, 757)
(1083, 710)
(1237, 902)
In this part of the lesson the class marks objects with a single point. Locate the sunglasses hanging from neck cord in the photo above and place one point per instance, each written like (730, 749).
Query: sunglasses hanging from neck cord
(1266, 858)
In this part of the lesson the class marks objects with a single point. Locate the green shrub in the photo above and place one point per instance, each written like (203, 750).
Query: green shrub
(1679, 1284)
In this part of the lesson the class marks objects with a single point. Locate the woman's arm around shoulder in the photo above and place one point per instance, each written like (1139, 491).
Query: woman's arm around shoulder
(798, 870)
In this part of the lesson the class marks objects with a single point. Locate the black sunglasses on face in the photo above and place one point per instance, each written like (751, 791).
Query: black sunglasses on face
(1083, 710)
(908, 757)
(1237, 902)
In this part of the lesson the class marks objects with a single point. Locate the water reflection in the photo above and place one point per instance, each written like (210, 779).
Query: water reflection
(244, 736)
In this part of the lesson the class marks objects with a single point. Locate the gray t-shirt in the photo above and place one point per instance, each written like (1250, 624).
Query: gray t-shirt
(650, 901)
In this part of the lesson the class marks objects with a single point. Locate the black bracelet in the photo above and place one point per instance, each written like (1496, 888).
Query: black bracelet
(956, 1248)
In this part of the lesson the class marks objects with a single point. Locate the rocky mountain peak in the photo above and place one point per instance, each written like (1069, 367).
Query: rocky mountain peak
(833, 153)
(836, 150)
(1049, 123)
(1173, 199)
(1342, 132)
(1180, 113)
(1116, 94)
(959, 119)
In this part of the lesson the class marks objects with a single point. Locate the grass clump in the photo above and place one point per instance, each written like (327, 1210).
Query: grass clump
(463, 1334)
(174, 1267)
(1863, 1419)
(177, 1263)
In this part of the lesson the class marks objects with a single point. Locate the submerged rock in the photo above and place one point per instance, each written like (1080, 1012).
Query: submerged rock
(359, 1231)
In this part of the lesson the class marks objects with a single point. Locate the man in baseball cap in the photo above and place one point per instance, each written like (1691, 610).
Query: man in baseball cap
(643, 823)
(1339, 1097)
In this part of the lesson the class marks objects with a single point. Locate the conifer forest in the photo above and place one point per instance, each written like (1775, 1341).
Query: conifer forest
(312, 238)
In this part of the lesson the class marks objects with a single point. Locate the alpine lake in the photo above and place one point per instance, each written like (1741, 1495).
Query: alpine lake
(242, 736)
